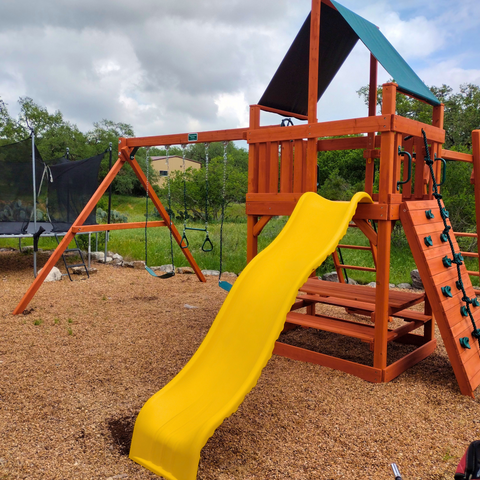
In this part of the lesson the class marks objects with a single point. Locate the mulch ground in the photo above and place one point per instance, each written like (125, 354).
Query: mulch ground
(76, 369)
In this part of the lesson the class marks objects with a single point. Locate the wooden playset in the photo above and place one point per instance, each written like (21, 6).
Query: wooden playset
(283, 165)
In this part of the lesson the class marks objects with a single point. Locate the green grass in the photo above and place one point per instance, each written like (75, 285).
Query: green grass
(131, 244)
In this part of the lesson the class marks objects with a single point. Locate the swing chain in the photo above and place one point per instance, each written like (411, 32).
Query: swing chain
(184, 240)
(207, 245)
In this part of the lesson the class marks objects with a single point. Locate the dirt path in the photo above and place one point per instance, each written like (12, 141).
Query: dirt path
(76, 370)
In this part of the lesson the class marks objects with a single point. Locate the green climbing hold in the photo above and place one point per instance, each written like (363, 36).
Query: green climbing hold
(447, 291)
(464, 342)
(428, 241)
(475, 302)
(447, 262)
(459, 284)
(464, 311)
(429, 214)
(444, 237)
(444, 213)
(457, 258)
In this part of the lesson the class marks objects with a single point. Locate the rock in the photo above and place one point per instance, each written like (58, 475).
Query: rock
(416, 280)
(330, 277)
(81, 271)
(138, 264)
(229, 274)
(391, 285)
(109, 260)
(372, 284)
(128, 264)
(53, 276)
(116, 257)
(405, 286)
(211, 273)
(164, 268)
(189, 306)
(333, 277)
(185, 270)
(98, 256)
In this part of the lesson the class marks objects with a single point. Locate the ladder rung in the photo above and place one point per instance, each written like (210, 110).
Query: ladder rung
(355, 247)
(354, 267)
(76, 265)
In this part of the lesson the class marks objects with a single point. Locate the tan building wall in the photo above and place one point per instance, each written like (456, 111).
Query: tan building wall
(175, 162)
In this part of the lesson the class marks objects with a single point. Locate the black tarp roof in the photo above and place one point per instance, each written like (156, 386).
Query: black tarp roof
(340, 29)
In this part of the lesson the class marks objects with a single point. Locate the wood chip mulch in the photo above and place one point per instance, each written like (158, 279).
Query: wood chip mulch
(76, 368)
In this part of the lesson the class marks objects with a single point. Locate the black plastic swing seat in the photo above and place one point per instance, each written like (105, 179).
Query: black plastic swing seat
(164, 276)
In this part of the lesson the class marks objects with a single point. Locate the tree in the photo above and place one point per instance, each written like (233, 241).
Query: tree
(462, 111)
(194, 195)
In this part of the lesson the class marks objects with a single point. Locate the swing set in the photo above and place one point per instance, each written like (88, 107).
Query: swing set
(283, 166)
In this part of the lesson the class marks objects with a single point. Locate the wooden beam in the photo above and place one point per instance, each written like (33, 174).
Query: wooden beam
(350, 143)
(183, 138)
(352, 126)
(116, 226)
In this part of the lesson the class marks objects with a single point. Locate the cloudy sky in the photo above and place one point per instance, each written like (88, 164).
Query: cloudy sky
(172, 66)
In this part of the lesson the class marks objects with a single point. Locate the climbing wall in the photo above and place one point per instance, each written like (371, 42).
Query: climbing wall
(424, 226)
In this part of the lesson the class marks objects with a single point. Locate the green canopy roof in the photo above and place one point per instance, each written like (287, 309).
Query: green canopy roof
(340, 29)
(384, 52)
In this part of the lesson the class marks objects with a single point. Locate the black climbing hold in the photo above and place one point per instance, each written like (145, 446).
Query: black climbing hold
(444, 237)
(447, 291)
(447, 262)
(428, 241)
(459, 284)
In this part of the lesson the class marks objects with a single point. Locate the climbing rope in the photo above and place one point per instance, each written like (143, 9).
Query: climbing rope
(457, 258)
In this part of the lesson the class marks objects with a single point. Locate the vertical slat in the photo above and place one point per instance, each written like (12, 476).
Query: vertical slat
(286, 167)
(263, 165)
(298, 166)
(273, 171)
(253, 152)
(304, 173)
(407, 188)
(419, 169)
(397, 162)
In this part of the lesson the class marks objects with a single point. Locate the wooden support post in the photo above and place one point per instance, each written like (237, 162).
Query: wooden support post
(372, 111)
(384, 232)
(253, 158)
(311, 163)
(476, 176)
(437, 121)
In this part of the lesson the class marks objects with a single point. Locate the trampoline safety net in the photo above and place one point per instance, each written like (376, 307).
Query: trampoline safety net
(16, 185)
(73, 185)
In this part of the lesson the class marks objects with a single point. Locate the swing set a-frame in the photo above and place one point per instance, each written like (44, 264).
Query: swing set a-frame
(283, 165)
